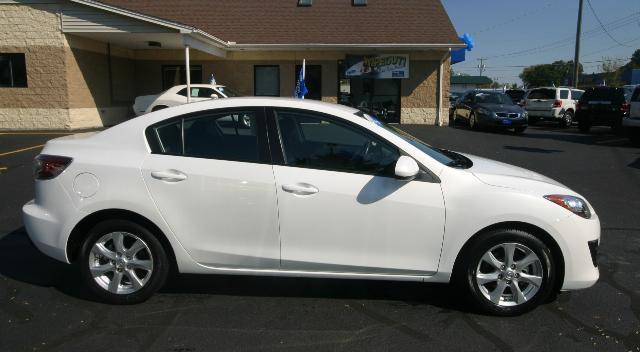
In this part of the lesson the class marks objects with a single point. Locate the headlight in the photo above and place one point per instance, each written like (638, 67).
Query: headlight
(574, 204)
(484, 111)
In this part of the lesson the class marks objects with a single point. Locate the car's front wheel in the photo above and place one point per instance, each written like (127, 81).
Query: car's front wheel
(122, 262)
(473, 122)
(506, 272)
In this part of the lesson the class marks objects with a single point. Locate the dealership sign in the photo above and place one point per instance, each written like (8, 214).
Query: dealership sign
(377, 66)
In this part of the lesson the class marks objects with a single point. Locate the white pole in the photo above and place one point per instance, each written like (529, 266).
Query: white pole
(304, 72)
(188, 69)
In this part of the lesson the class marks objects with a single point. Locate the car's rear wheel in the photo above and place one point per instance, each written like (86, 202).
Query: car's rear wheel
(506, 272)
(567, 119)
(122, 262)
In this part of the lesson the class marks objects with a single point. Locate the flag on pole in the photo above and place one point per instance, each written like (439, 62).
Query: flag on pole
(301, 88)
(212, 80)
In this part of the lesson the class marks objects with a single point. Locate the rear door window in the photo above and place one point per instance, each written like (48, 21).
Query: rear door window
(542, 94)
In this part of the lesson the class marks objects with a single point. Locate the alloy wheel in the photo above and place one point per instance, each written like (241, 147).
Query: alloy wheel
(509, 274)
(120, 262)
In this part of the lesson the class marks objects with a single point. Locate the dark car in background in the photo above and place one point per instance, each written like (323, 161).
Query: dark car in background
(483, 109)
(601, 106)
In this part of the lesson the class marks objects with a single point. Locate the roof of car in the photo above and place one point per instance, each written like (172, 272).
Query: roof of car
(200, 85)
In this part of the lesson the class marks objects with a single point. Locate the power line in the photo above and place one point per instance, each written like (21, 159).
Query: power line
(601, 25)
(513, 19)
(613, 25)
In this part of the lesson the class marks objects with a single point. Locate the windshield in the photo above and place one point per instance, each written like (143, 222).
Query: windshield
(228, 92)
(493, 98)
(443, 156)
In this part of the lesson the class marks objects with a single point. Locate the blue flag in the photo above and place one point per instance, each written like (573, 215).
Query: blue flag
(301, 88)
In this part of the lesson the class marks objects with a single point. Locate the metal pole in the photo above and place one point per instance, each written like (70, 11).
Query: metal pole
(576, 59)
(188, 69)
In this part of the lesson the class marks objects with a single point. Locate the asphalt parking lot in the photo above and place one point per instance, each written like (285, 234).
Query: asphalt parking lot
(43, 307)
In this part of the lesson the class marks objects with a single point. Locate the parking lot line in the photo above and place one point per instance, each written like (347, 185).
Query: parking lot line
(21, 150)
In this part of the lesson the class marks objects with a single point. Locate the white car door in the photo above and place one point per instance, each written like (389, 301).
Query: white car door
(340, 209)
(215, 188)
(635, 104)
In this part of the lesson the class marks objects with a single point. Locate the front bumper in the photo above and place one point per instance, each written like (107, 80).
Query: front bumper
(581, 239)
(502, 122)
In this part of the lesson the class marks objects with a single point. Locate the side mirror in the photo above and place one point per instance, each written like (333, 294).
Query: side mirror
(406, 168)
(214, 96)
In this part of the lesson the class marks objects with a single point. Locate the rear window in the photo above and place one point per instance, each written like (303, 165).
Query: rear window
(542, 94)
(603, 94)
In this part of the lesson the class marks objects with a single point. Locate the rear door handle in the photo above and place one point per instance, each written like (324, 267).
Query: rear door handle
(301, 189)
(169, 175)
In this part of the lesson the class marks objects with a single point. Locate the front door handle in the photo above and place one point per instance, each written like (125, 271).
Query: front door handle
(301, 189)
(169, 175)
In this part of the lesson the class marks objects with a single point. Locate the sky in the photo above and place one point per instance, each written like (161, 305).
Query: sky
(516, 33)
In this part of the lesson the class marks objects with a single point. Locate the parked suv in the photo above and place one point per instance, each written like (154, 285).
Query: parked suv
(632, 122)
(601, 106)
(552, 103)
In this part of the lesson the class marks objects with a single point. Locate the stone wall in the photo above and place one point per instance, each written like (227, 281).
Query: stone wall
(35, 31)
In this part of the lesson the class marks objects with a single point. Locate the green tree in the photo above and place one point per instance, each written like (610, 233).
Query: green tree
(611, 72)
(556, 73)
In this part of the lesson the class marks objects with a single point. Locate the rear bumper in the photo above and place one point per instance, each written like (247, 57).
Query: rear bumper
(43, 229)
(554, 113)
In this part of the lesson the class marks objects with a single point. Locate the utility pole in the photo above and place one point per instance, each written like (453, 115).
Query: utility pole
(481, 65)
(576, 59)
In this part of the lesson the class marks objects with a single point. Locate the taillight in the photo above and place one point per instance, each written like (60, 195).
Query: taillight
(557, 104)
(578, 105)
(626, 107)
(46, 167)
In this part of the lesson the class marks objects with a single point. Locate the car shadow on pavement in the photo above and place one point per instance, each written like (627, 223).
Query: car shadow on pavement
(21, 261)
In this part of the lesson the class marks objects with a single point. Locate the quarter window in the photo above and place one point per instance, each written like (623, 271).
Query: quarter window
(636, 95)
(318, 141)
(198, 92)
(230, 135)
(564, 94)
(13, 70)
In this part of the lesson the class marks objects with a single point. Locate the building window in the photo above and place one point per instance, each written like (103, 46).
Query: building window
(305, 2)
(266, 81)
(175, 75)
(13, 70)
(359, 2)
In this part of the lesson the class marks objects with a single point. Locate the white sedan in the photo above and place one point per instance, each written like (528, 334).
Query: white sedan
(178, 95)
(264, 186)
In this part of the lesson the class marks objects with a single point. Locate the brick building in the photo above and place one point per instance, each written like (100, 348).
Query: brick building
(72, 64)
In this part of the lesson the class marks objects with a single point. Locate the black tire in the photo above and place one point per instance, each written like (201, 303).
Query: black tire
(567, 119)
(156, 250)
(520, 129)
(159, 107)
(464, 276)
(473, 121)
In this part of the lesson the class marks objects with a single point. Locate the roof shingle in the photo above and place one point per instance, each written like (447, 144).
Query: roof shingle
(326, 22)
